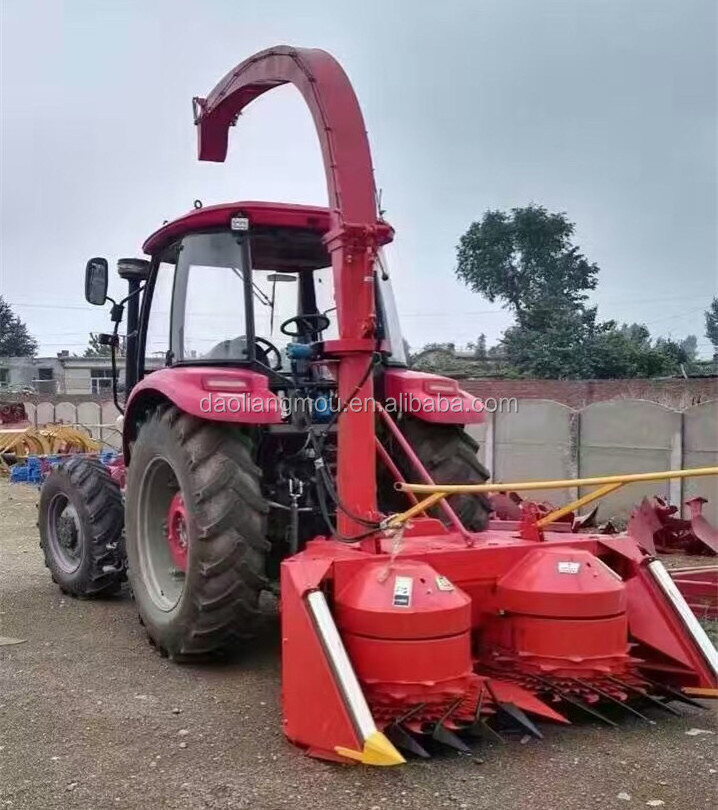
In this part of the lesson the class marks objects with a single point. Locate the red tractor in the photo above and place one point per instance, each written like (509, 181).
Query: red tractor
(262, 462)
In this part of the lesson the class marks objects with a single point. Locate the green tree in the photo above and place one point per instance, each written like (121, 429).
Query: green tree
(525, 258)
(712, 324)
(15, 339)
(689, 345)
(479, 348)
(550, 343)
(629, 351)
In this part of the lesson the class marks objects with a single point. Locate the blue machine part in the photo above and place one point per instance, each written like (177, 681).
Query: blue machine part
(34, 469)
(28, 473)
(321, 408)
(108, 456)
(299, 351)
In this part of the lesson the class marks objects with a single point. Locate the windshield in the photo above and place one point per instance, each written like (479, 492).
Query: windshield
(216, 305)
(210, 318)
(208, 310)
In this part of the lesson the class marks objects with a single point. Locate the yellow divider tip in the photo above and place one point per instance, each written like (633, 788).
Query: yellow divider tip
(377, 751)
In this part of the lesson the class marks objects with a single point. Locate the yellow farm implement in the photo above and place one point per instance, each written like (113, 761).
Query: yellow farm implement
(16, 444)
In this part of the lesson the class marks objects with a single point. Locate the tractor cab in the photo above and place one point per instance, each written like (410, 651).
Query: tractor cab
(241, 275)
(246, 285)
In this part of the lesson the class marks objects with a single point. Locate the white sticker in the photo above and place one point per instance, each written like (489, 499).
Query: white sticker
(443, 584)
(402, 591)
(569, 567)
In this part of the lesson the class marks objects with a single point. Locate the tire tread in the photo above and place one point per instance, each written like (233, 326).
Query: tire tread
(87, 484)
(229, 512)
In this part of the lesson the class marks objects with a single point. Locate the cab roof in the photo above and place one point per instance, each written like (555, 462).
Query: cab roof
(284, 237)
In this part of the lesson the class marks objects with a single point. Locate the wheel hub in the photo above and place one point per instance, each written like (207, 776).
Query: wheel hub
(65, 533)
(67, 530)
(178, 531)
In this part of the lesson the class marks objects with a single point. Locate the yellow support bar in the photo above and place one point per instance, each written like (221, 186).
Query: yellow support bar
(557, 514)
(417, 508)
(520, 486)
(701, 692)
(608, 483)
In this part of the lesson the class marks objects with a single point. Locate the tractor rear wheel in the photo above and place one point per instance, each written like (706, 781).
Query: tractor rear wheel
(80, 519)
(195, 535)
(449, 454)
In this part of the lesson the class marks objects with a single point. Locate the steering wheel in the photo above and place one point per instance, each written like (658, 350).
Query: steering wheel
(305, 324)
(271, 349)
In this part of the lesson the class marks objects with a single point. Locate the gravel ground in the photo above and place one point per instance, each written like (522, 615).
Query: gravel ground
(92, 718)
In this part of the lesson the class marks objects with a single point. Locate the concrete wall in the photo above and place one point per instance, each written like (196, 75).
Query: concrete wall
(99, 417)
(536, 442)
(629, 436)
(700, 449)
(546, 440)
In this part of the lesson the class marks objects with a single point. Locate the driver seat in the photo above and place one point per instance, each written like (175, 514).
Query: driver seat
(235, 349)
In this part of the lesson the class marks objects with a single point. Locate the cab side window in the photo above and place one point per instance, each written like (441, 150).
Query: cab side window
(158, 326)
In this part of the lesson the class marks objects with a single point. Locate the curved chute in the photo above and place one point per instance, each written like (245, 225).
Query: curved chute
(334, 108)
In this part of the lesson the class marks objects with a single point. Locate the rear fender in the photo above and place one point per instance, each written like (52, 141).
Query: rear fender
(431, 398)
(215, 393)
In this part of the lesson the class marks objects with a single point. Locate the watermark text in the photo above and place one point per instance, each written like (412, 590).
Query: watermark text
(406, 403)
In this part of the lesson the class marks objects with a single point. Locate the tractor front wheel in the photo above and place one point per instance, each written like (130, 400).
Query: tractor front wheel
(80, 519)
(195, 535)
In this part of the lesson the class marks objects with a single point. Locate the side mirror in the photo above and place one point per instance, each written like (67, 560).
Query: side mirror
(96, 275)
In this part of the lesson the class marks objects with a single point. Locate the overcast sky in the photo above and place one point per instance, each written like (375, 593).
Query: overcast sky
(605, 109)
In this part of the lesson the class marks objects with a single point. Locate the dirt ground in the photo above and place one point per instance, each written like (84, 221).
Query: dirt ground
(91, 717)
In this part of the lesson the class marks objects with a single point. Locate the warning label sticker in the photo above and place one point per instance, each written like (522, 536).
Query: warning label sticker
(569, 567)
(402, 591)
(443, 584)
